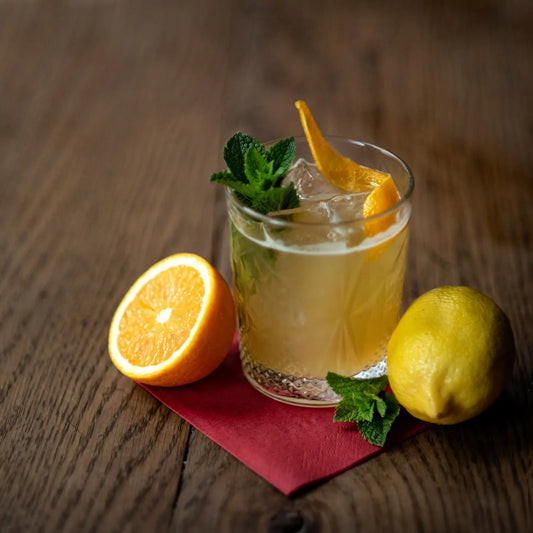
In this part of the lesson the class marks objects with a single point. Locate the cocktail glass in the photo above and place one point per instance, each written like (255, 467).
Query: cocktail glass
(314, 291)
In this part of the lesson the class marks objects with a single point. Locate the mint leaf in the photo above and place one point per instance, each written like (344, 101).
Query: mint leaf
(381, 405)
(245, 191)
(393, 407)
(351, 410)
(256, 174)
(222, 177)
(342, 385)
(346, 384)
(257, 169)
(282, 155)
(365, 402)
(345, 412)
(235, 152)
(375, 431)
(276, 199)
(366, 408)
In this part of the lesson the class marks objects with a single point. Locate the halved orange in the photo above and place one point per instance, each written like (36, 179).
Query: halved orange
(175, 325)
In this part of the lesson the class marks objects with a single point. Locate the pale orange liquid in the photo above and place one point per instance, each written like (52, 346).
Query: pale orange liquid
(305, 314)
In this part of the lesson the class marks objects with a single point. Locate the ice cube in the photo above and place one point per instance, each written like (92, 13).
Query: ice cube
(315, 212)
(309, 182)
(321, 204)
(345, 207)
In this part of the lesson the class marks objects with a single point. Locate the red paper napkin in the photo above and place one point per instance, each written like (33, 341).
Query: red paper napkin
(291, 447)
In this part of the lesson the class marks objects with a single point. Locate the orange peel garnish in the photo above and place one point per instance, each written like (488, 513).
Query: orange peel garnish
(383, 197)
(350, 176)
(340, 170)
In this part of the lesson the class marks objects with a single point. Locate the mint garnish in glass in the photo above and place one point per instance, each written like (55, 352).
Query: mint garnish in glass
(256, 173)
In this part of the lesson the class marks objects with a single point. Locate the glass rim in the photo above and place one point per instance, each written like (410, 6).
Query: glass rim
(404, 198)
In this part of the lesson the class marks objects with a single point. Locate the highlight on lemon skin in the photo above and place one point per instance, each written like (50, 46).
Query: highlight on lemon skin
(175, 325)
(451, 355)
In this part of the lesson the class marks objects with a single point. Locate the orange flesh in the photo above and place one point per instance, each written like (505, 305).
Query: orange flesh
(160, 318)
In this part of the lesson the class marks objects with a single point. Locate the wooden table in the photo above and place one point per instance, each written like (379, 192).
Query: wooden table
(113, 115)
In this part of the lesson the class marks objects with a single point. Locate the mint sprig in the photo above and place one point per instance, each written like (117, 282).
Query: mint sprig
(365, 402)
(256, 174)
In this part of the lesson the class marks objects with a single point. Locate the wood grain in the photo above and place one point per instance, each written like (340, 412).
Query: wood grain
(112, 117)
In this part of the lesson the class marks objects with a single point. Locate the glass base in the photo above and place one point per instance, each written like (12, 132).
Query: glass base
(294, 390)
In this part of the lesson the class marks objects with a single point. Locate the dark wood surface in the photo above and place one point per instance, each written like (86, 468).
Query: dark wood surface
(113, 116)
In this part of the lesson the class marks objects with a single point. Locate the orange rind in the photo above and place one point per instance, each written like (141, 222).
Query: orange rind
(383, 197)
(340, 170)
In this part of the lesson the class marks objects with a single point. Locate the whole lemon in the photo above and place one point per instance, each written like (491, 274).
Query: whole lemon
(450, 355)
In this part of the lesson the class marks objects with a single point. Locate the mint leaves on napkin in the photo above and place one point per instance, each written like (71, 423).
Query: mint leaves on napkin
(365, 402)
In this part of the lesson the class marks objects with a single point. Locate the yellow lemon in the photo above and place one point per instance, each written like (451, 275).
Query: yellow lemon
(451, 355)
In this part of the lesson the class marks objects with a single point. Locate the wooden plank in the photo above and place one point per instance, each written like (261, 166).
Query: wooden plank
(103, 170)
